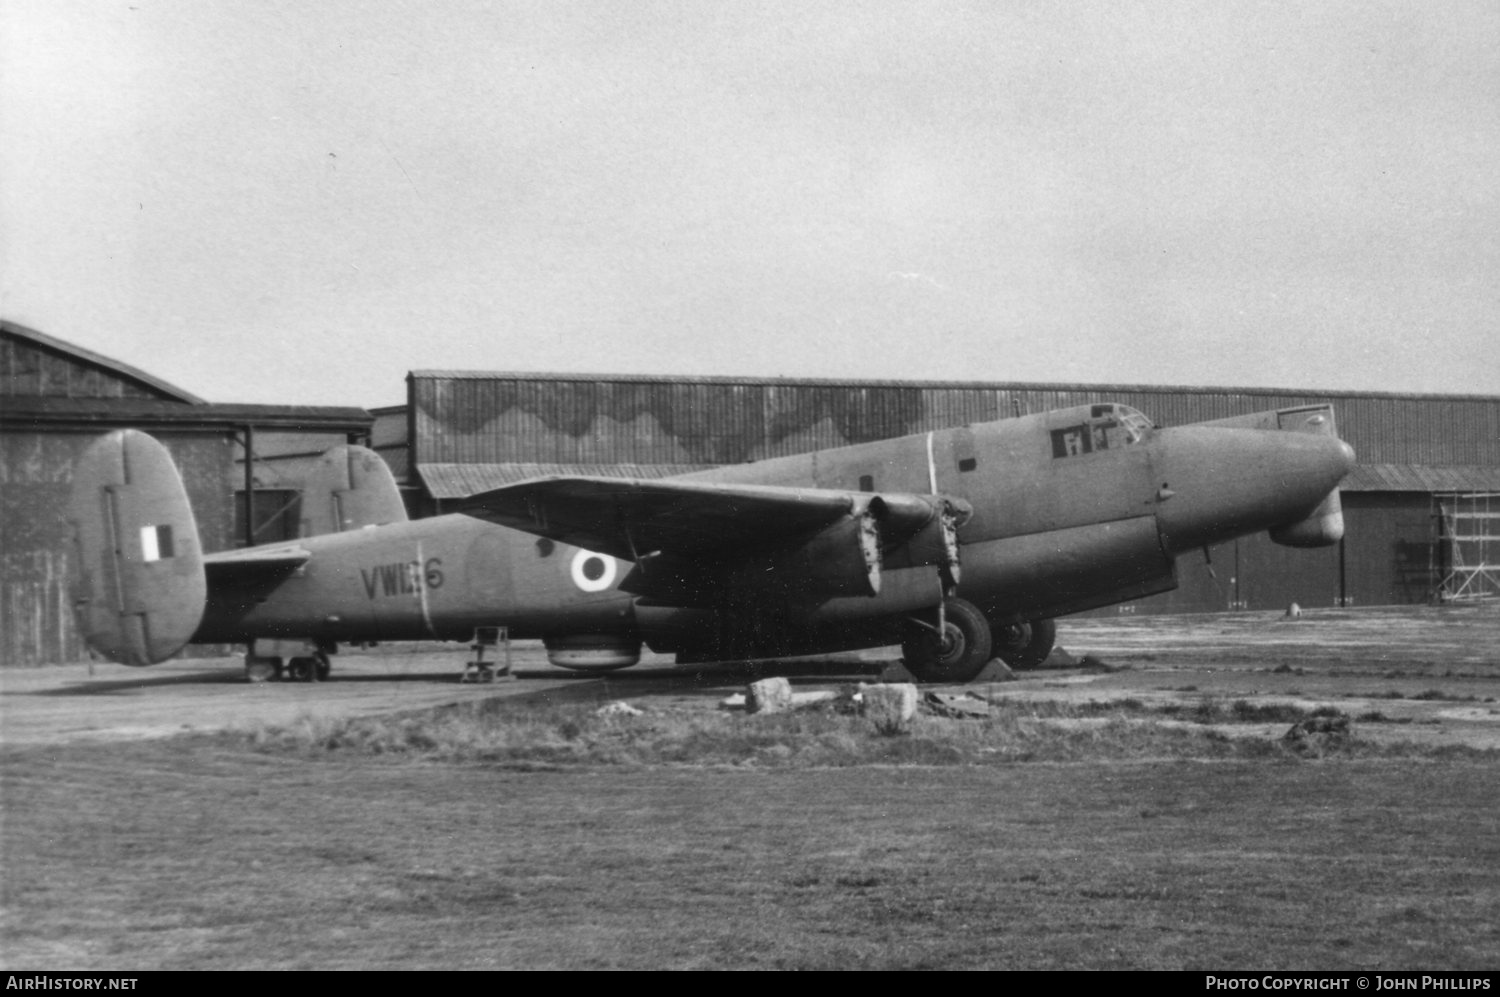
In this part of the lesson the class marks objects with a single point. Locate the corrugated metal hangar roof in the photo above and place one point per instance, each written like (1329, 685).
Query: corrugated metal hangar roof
(1421, 478)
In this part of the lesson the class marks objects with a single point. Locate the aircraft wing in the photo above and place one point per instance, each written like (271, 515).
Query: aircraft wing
(629, 518)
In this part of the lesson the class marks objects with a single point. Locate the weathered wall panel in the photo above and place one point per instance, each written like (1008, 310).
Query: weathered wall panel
(484, 418)
(29, 371)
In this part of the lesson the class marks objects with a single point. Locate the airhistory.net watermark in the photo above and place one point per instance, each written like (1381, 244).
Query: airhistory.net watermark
(48, 981)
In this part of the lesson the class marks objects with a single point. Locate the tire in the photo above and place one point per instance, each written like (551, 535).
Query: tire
(302, 669)
(323, 668)
(1024, 645)
(960, 654)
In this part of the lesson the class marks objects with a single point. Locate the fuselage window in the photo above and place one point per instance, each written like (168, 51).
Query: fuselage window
(1071, 442)
(968, 463)
(867, 482)
(1110, 428)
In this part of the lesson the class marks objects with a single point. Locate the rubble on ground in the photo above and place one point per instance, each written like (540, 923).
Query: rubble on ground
(619, 708)
(1315, 735)
(959, 706)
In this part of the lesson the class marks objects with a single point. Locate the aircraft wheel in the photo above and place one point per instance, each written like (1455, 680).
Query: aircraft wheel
(958, 654)
(323, 667)
(302, 669)
(1024, 645)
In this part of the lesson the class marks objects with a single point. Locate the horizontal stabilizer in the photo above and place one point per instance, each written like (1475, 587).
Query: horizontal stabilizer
(255, 561)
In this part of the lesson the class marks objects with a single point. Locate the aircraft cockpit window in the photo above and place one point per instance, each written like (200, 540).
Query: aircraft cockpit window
(1134, 422)
(1109, 427)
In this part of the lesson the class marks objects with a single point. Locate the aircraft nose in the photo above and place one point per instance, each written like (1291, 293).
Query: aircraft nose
(1217, 484)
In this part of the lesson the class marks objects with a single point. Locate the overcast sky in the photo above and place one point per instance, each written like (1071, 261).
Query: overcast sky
(299, 202)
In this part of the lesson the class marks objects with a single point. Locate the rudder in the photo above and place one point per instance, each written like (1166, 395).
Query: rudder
(138, 582)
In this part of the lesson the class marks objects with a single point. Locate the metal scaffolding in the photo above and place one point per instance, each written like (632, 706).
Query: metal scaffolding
(1467, 553)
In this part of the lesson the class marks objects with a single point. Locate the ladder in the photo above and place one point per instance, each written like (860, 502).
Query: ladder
(480, 670)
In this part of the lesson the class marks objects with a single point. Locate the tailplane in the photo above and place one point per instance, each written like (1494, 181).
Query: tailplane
(138, 582)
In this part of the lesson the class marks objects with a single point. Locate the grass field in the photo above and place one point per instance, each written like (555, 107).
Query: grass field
(506, 837)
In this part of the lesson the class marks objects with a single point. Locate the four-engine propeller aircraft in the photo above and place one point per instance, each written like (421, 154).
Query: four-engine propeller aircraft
(957, 544)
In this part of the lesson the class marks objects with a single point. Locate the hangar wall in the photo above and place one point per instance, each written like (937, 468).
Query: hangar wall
(55, 399)
(476, 417)
(36, 471)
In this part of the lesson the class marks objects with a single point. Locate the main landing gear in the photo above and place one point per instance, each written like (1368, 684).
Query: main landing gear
(302, 668)
(963, 646)
(955, 651)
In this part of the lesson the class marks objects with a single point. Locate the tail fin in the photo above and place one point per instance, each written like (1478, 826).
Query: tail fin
(350, 488)
(138, 581)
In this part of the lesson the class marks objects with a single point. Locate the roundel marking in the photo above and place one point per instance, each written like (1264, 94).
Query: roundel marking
(593, 572)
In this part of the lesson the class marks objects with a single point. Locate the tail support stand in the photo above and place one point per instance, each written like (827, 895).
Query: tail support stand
(480, 670)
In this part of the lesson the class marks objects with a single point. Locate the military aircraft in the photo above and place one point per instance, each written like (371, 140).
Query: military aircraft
(957, 544)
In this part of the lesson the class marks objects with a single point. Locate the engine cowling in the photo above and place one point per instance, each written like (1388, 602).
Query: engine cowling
(917, 530)
(841, 559)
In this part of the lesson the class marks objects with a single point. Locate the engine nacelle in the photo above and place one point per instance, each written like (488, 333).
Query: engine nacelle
(593, 652)
(842, 559)
(916, 530)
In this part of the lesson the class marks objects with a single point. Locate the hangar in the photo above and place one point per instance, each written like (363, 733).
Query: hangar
(54, 399)
(1422, 509)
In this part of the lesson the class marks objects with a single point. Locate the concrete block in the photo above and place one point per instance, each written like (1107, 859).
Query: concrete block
(889, 705)
(773, 695)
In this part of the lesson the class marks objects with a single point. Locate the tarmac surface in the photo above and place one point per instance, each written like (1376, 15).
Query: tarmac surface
(1432, 674)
